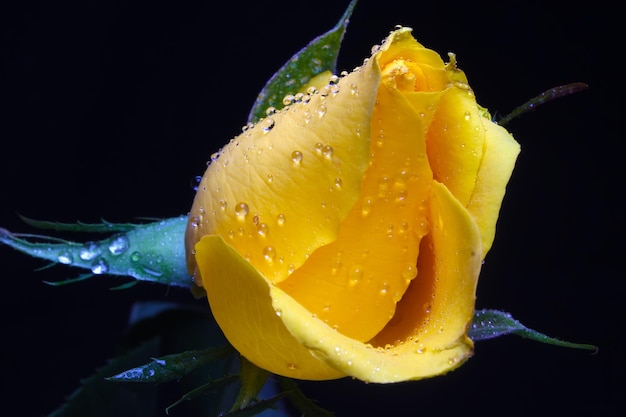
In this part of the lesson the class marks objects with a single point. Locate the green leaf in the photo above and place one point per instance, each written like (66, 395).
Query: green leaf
(171, 367)
(318, 56)
(488, 324)
(150, 252)
(546, 96)
(97, 397)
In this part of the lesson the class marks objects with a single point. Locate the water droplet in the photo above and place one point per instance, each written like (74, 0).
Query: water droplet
(355, 275)
(292, 366)
(296, 156)
(334, 79)
(289, 99)
(135, 257)
(269, 253)
(223, 204)
(427, 308)
(354, 90)
(89, 251)
(366, 208)
(119, 245)
(270, 111)
(319, 146)
(384, 289)
(241, 209)
(280, 219)
(401, 196)
(409, 272)
(65, 258)
(321, 110)
(383, 186)
(327, 151)
(338, 182)
(268, 124)
(279, 312)
(467, 115)
(263, 229)
(100, 266)
(195, 182)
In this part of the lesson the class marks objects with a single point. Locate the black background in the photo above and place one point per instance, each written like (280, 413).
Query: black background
(110, 108)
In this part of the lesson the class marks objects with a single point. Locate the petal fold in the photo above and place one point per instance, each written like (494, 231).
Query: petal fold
(241, 302)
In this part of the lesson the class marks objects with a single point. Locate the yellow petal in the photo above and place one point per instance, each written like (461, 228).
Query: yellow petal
(241, 302)
(501, 151)
(416, 345)
(354, 282)
(455, 141)
(280, 190)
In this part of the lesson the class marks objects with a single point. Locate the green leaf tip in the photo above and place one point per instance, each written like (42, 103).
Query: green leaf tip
(546, 96)
(171, 367)
(318, 56)
(489, 324)
(147, 252)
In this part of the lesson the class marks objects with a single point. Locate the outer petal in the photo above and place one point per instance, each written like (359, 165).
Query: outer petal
(355, 282)
(241, 302)
(418, 344)
(501, 151)
(280, 190)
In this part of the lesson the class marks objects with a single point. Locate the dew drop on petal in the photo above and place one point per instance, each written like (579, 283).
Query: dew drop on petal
(269, 253)
(241, 209)
(289, 99)
(280, 219)
(355, 275)
(321, 110)
(296, 156)
(263, 229)
(409, 272)
(268, 124)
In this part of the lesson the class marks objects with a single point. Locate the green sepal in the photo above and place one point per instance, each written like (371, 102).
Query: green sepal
(252, 380)
(147, 252)
(104, 227)
(306, 406)
(257, 407)
(318, 56)
(488, 324)
(204, 389)
(172, 367)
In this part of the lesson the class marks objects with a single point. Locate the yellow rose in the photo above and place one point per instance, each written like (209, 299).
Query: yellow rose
(344, 234)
